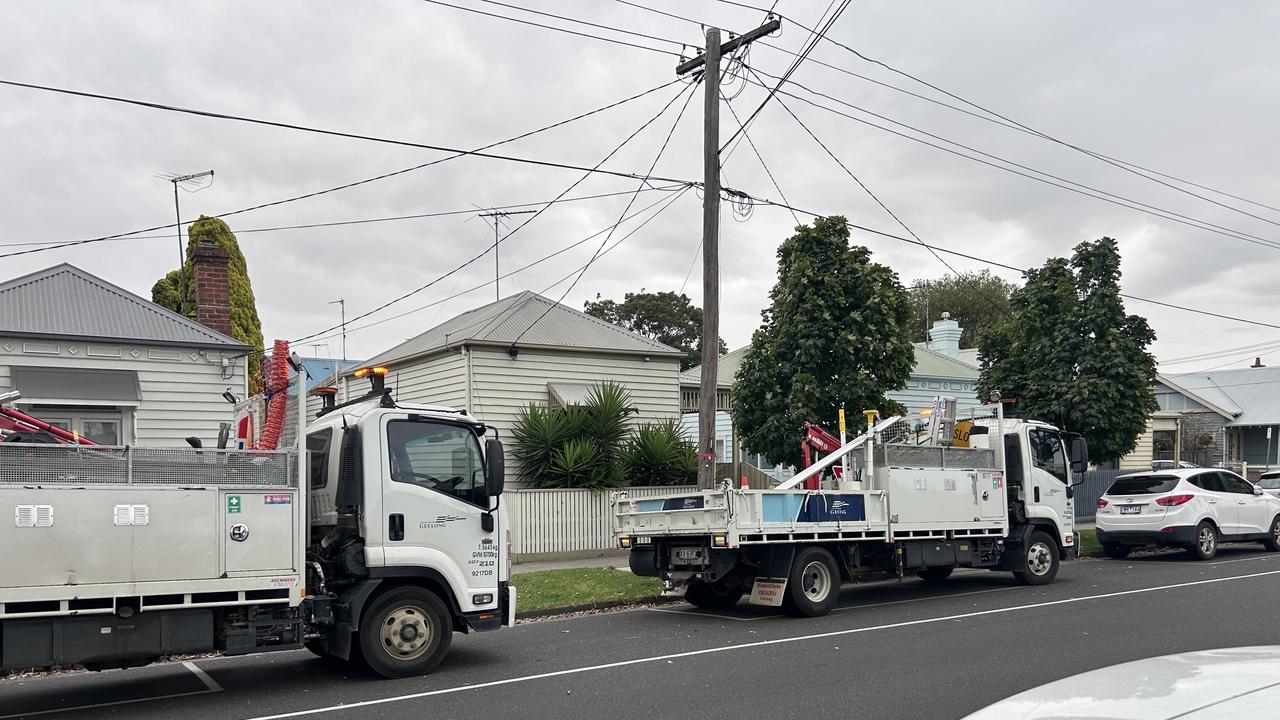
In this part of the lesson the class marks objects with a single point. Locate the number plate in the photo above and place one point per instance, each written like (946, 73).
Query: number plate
(1130, 509)
(689, 554)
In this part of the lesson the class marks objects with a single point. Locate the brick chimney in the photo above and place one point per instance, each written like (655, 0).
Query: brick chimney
(209, 268)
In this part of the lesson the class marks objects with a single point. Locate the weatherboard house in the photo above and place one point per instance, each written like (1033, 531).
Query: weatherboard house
(521, 350)
(91, 357)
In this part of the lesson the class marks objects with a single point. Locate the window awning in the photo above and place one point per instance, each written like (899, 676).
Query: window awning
(566, 394)
(72, 386)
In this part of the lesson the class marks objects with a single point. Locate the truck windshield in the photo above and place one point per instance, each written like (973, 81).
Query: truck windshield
(1143, 485)
(437, 456)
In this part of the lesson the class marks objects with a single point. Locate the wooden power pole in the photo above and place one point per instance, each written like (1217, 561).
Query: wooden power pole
(709, 382)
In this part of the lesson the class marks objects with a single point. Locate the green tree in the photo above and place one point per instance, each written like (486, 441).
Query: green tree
(835, 332)
(976, 300)
(1071, 356)
(669, 318)
(176, 291)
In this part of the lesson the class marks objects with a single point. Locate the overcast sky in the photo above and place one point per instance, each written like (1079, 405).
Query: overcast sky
(1186, 88)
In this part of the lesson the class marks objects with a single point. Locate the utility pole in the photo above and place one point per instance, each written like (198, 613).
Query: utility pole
(177, 210)
(709, 383)
(342, 308)
(497, 216)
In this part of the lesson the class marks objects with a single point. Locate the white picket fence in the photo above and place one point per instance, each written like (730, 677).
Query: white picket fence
(545, 522)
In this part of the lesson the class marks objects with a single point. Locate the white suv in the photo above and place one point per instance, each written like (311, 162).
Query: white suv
(1191, 508)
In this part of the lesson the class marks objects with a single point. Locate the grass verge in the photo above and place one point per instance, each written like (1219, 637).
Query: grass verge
(582, 586)
(1089, 544)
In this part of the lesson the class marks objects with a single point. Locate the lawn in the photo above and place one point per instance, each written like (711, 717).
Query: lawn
(1089, 544)
(581, 586)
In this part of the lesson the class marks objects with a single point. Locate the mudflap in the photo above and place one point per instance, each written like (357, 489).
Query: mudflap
(773, 567)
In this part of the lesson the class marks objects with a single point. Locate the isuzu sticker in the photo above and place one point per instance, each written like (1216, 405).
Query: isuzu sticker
(277, 499)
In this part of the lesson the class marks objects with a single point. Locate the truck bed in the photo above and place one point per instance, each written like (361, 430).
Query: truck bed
(150, 527)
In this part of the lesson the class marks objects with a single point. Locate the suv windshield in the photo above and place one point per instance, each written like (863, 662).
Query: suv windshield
(1270, 481)
(1143, 485)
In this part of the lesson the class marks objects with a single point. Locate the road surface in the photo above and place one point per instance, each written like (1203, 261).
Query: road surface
(890, 650)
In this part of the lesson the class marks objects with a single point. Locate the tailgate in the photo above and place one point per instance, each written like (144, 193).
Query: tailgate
(697, 513)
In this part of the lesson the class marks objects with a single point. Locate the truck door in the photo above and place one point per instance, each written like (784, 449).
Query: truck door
(1049, 480)
(433, 507)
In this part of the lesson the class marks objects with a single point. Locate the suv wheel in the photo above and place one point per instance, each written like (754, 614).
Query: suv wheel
(1206, 541)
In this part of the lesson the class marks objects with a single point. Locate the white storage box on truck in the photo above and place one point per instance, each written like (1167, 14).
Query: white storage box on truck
(386, 540)
(998, 497)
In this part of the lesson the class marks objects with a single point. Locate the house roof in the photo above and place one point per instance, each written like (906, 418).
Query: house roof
(65, 301)
(927, 363)
(1251, 395)
(726, 369)
(320, 371)
(535, 321)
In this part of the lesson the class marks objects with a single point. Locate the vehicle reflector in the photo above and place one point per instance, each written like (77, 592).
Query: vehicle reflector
(625, 542)
(1174, 500)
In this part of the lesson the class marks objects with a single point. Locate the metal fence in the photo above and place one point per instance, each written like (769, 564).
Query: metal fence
(46, 464)
(547, 522)
(1087, 493)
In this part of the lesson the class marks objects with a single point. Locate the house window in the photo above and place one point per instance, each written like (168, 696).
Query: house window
(104, 426)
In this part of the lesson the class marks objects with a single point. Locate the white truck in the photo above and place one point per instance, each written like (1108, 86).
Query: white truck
(911, 496)
(385, 540)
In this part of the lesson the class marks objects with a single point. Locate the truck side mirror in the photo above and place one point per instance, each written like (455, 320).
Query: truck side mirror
(1079, 454)
(495, 478)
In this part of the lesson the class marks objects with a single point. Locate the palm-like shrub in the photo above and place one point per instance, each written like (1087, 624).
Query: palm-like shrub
(573, 447)
(659, 454)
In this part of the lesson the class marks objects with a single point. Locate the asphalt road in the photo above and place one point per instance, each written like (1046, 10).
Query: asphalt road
(890, 650)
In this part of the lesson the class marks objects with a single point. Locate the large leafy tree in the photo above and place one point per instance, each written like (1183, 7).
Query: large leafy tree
(977, 300)
(835, 332)
(176, 291)
(1070, 355)
(667, 317)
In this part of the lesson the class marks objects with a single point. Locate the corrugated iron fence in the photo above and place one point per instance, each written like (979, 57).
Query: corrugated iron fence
(1087, 493)
(566, 521)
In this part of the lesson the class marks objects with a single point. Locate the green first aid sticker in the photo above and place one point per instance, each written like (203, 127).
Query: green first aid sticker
(233, 503)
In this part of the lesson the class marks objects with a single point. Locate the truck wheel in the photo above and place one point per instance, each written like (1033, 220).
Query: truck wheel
(814, 584)
(1206, 546)
(712, 596)
(1272, 542)
(405, 632)
(1038, 564)
(935, 574)
(1118, 552)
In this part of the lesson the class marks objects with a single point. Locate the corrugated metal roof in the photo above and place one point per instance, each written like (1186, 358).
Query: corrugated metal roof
(726, 369)
(67, 301)
(525, 316)
(1252, 392)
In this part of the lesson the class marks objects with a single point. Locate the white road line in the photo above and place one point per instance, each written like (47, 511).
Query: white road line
(204, 676)
(33, 713)
(922, 599)
(762, 643)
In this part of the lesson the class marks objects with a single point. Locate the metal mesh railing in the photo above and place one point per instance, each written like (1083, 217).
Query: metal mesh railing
(31, 464)
(905, 443)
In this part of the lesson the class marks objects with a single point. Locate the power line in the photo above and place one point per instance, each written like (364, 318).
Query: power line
(1214, 354)
(1087, 191)
(390, 218)
(518, 228)
(304, 128)
(667, 141)
(557, 29)
(759, 157)
(1006, 266)
(610, 28)
(668, 200)
(1130, 167)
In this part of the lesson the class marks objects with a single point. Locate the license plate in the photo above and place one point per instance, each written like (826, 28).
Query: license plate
(1130, 509)
(688, 554)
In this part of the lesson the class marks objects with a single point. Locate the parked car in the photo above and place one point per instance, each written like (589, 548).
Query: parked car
(1270, 483)
(1195, 508)
(1237, 683)
(1168, 464)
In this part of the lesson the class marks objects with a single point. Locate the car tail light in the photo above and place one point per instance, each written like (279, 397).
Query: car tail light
(1102, 502)
(1174, 500)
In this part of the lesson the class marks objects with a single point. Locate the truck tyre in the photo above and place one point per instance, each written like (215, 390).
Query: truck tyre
(405, 632)
(712, 596)
(1272, 542)
(813, 585)
(1117, 552)
(935, 574)
(1038, 563)
(1206, 542)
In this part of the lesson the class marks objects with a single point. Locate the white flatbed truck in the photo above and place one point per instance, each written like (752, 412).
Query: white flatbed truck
(386, 540)
(906, 502)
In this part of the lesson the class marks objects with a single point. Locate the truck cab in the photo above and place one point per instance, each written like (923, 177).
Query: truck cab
(406, 527)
